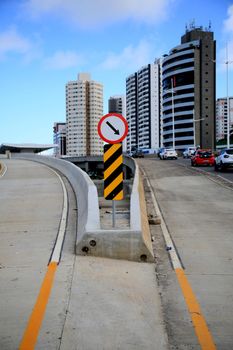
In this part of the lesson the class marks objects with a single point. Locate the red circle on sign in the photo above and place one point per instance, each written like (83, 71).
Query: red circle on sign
(113, 115)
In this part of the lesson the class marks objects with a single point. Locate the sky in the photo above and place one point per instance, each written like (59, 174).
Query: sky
(46, 43)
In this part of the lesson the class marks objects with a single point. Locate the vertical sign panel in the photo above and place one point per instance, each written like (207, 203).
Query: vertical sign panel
(113, 171)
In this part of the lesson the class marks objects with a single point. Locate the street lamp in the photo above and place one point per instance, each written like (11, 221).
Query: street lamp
(173, 113)
(173, 116)
(228, 101)
(194, 131)
(227, 62)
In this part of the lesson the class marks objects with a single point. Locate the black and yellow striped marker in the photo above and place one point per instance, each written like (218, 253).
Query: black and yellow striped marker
(113, 172)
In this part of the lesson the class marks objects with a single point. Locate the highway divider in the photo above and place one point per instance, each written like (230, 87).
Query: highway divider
(129, 244)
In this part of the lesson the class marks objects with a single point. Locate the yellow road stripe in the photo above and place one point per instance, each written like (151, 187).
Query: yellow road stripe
(113, 185)
(31, 332)
(203, 334)
(111, 150)
(113, 167)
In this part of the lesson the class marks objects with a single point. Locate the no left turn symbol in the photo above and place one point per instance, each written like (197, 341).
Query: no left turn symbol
(112, 128)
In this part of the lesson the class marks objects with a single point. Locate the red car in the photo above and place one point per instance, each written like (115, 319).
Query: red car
(203, 157)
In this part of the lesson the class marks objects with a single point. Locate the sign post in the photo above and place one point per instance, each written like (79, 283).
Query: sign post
(113, 128)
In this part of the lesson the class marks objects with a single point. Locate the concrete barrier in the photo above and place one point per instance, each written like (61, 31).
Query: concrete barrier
(129, 244)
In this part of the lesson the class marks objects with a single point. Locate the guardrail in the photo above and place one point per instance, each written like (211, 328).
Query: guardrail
(130, 244)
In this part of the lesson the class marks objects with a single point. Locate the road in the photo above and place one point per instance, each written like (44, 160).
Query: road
(30, 212)
(95, 303)
(197, 209)
(227, 174)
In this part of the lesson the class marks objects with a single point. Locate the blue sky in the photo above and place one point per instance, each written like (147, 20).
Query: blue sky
(45, 43)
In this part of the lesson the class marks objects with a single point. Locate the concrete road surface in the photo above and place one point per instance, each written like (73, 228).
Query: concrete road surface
(94, 303)
(199, 216)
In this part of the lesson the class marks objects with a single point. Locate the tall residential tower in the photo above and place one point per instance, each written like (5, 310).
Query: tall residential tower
(84, 108)
(143, 107)
(189, 82)
(221, 117)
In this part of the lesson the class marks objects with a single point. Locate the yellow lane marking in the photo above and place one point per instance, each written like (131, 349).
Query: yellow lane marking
(31, 332)
(113, 185)
(203, 334)
(113, 167)
(111, 150)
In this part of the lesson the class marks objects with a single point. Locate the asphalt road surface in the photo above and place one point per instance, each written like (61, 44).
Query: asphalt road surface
(227, 174)
(197, 209)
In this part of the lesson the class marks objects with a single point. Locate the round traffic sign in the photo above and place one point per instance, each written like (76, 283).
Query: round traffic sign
(112, 128)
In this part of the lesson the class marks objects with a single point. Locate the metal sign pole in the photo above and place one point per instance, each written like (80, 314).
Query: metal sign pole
(112, 129)
(113, 214)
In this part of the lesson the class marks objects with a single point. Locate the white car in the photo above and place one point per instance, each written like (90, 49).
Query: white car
(168, 153)
(189, 152)
(224, 160)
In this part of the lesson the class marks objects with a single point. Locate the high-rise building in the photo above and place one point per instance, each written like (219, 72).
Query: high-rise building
(84, 108)
(59, 138)
(222, 118)
(143, 107)
(116, 104)
(189, 85)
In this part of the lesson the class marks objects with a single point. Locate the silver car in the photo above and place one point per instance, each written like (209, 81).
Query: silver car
(189, 152)
(168, 153)
(224, 160)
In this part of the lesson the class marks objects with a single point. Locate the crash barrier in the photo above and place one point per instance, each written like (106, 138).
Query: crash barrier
(129, 244)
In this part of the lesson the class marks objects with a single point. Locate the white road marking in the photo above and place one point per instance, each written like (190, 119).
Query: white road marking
(167, 237)
(62, 228)
(4, 169)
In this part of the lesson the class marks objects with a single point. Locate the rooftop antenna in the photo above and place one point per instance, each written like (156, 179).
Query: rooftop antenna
(210, 25)
(192, 24)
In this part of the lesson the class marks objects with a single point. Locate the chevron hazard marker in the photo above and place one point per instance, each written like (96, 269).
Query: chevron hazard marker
(113, 172)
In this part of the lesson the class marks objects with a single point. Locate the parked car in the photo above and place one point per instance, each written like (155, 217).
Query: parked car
(138, 154)
(161, 149)
(224, 160)
(189, 152)
(203, 157)
(168, 153)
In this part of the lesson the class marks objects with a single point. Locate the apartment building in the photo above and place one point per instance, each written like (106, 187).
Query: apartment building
(84, 108)
(59, 138)
(189, 85)
(222, 117)
(143, 107)
(117, 104)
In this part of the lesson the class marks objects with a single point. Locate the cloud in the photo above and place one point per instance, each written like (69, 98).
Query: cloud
(12, 42)
(131, 57)
(63, 60)
(228, 23)
(225, 54)
(92, 13)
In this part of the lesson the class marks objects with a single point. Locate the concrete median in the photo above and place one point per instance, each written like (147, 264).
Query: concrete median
(129, 244)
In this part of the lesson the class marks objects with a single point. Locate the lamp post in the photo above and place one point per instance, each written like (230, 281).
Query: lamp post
(173, 116)
(130, 130)
(173, 113)
(194, 132)
(228, 100)
(227, 62)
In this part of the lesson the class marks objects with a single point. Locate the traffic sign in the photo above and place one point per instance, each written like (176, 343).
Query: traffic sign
(112, 128)
(113, 172)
